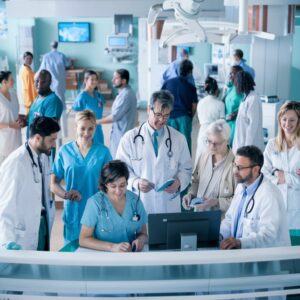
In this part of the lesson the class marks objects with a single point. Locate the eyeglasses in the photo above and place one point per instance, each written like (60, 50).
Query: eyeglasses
(240, 168)
(209, 142)
(160, 115)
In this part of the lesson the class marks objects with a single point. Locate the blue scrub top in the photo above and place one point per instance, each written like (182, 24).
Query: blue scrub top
(185, 94)
(109, 225)
(81, 174)
(85, 101)
(50, 106)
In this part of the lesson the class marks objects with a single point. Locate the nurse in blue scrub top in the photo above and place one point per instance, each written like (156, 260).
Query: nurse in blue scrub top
(90, 98)
(114, 219)
(79, 163)
(47, 104)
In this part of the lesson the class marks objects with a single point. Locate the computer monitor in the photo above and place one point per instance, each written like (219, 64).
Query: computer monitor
(165, 229)
(211, 70)
(117, 41)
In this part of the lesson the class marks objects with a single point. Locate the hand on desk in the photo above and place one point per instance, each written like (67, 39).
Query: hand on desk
(121, 247)
(137, 245)
(230, 243)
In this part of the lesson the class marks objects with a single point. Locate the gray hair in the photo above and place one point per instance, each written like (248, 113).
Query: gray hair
(221, 128)
(164, 97)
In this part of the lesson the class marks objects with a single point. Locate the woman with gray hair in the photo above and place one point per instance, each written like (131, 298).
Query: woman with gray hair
(213, 182)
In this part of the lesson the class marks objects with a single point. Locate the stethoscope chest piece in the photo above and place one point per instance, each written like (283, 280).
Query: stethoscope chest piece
(136, 217)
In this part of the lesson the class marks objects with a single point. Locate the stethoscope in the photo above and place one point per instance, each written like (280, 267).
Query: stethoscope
(34, 165)
(104, 210)
(168, 141)
(251, 202)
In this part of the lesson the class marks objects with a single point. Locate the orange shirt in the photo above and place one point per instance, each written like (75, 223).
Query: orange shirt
(29, 92)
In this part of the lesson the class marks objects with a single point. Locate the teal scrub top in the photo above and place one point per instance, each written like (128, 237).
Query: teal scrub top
(85, 101)
(232, 104)
(50, 106)
(108, 225)
(81, 174)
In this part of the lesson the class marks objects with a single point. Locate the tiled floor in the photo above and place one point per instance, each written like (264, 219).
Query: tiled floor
(57, 230)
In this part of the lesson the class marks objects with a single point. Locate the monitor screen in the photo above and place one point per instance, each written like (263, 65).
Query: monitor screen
(117, 41)
(165, 229)
(78, 32)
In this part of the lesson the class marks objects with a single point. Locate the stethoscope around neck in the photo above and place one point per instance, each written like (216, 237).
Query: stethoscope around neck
(251, 202)
(168, 141)
(34, 165)
(104, 210)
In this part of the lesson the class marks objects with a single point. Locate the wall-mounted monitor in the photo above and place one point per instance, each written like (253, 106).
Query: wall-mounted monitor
(74, 32)
(215, 71)
(117, 41)
(165, 230)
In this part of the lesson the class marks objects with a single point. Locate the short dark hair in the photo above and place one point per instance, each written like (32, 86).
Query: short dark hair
(124, 74)
(111, 172)
(44, 126)
(186, 67)
(211, 85)
(164, 97)
(4, 75)
(239, 53)
(45, 73)
(237, 68)
(254, 154)
(27, 53)
(243, 82)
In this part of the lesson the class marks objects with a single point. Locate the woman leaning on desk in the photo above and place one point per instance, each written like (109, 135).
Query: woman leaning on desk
(212, 178)
(79, 163)
(114, 218)
(282, 160)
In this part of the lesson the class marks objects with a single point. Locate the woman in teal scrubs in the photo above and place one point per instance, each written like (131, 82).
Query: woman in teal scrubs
(114, 219)
(79, 163)
(91, 99)
(232, 101)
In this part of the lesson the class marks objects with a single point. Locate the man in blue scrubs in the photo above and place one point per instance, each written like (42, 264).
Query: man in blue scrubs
(47, 104)
(185, 101)
(240, 61)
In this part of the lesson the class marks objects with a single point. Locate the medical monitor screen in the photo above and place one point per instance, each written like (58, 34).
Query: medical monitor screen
(78, 32)
(165, 229)
(115, 41)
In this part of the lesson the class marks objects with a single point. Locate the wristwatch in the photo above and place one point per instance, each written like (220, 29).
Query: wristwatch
(273, 171)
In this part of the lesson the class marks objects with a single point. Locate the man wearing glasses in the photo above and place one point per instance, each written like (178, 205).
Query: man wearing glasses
(256, 217)
(158, 158)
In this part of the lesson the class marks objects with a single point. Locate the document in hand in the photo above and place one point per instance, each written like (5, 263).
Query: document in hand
(165, 185)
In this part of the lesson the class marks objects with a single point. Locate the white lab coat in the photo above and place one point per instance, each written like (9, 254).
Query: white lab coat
(10, 139)
(143, 163)
(249, 130)
(21, 200)
(266, 225)
(209, 110)
(287, 160)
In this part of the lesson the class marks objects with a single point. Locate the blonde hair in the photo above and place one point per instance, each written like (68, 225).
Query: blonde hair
(280, 138)
(85, 115)
(221, 128)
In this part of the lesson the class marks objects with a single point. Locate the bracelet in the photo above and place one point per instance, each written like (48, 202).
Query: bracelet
(274, 171)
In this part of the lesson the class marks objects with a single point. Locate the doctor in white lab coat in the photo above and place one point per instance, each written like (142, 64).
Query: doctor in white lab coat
(248, 129)
(282, 160)
(256, 216)
(26, 207)
(157, 154)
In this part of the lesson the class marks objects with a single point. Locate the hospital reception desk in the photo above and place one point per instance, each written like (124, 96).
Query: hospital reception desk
(214, 274)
